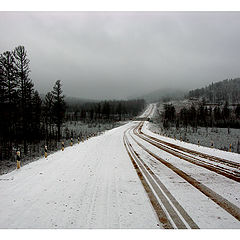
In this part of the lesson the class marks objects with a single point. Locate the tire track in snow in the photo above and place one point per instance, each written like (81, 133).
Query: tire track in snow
(218, 199)
(229, 173)
(168, 210)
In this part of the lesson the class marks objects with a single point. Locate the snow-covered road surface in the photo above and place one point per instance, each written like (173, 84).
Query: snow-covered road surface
(90, 185)
(98, 184)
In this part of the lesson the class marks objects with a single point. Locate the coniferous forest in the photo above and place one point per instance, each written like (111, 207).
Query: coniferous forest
(28, 122)
(223, 91)
(216, 105)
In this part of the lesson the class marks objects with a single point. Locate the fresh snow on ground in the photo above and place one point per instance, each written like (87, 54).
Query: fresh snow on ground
(208, 150)
(220, 137)
(94, 185)
(203, 210)
(90, 185)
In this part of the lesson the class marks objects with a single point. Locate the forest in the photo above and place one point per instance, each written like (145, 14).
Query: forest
(219, 92)
(29, 121)
(202, 115)
(217, 105)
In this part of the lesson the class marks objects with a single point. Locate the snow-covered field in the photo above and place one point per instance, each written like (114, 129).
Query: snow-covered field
(94, 184)
(79, 128)
(220, 137)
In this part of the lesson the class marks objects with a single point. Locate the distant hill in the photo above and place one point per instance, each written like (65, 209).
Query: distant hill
(163, 94)
(73, 100)
(219, 92)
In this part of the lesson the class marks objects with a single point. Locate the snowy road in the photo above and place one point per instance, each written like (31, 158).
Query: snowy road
(90, 185)
(209, 197)
(98, 184)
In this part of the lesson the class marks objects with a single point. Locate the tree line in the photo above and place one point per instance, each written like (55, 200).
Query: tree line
(27, 119)
(105, 110)
(219, 92)
(24, 116)
(202, 115)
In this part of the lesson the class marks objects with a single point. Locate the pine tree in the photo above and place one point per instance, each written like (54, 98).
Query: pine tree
(119, 111)
(237, 111)
(8, 89)
(47, 114)
(36, 112)
(8, 72)
(59, 107)
(25, 91)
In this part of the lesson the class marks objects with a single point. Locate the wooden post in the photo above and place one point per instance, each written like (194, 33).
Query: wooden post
(18, 159)
(212, 144)
(71, 142)
(78, 140)
(198, 142)
(230, 147)
(62, 146)
(45, 151)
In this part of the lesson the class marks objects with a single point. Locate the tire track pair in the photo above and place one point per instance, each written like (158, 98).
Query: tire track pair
(170, 213)
(218, 199)
(233, 174)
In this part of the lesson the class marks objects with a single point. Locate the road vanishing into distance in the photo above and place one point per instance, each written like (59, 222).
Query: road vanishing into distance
(127, 177)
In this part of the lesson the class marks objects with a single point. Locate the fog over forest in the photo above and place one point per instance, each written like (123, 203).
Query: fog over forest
(116, 55)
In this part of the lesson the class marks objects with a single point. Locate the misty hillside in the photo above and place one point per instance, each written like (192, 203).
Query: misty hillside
(73, 100)
(226, 90)
(163, 94)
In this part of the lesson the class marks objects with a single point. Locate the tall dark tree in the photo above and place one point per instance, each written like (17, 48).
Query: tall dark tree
(59, 107)
(226, 111)
(169, 112)
(119, 111)
(36, 112)
(217, 113)
(25, 90)
(237, 111)
(9, 79)
(8, 89)
(106, 109)
(47, 113)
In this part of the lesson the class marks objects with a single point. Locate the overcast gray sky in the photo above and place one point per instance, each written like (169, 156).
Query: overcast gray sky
(104, 55)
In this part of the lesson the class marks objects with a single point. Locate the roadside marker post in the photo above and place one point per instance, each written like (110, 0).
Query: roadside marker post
(45, 151)
(230, 147)
(71, 142)
(198, 142)
(78, 140)
(62, 146)
(18, 159)
(212, 144)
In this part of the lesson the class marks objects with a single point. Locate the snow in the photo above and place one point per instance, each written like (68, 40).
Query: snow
(221, 137)
(203, 210)
(90, 185)
(211, 151)
(94, 185)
